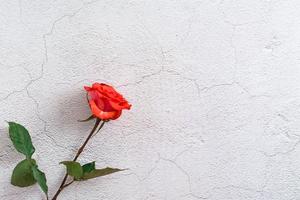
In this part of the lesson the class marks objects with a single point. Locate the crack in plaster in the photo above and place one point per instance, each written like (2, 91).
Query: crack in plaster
(292, 149)
(21, 90)
(42, 70)
(187, 176)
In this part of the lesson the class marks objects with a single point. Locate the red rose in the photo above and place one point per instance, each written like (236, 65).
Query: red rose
(105, 102)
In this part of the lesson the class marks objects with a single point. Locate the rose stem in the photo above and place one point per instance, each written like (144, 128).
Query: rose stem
(80, 150)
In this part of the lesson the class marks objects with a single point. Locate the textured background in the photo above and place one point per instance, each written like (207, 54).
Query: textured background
(214, 86)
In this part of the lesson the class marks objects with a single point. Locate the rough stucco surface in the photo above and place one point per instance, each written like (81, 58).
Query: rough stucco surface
(214, 86)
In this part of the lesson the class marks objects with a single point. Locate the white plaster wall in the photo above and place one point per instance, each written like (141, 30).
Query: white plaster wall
(215, 88)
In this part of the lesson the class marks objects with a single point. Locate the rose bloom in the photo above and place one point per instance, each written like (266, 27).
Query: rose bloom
(105, 102)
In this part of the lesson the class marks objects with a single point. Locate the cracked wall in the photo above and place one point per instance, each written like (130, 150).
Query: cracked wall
(214, 86)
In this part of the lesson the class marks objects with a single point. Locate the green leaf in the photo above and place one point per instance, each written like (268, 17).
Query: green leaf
(21, 139)
(100, 172)
(22, 174)
(40, 177)
(73, 169)
(88, 167)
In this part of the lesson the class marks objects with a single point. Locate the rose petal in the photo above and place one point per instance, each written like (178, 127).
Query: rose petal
(120, 106)
(107, 90)
(117, 115)
(103, 115)
(96, 96)
(87, 88)
(105, 102)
